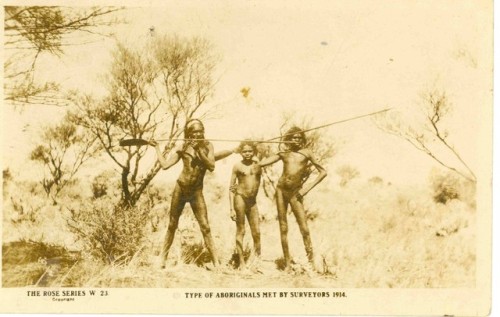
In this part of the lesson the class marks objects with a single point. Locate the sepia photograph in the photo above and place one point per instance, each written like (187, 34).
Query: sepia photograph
(280, 157)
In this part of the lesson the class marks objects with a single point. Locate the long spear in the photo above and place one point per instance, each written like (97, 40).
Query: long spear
(136, 142)
(332, 123)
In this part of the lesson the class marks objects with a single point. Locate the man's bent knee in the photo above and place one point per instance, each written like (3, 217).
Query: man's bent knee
(240, 230)
(205, 230)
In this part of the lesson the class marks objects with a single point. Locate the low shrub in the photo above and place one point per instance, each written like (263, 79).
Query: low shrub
(109, 232)
(447, 186)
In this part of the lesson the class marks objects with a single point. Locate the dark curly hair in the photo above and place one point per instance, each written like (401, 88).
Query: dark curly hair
(295, 130)
(244, 143)
(189, 126)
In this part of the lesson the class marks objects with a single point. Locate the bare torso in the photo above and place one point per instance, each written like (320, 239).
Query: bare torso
(193, 170)
(248, 176)
(294, 169)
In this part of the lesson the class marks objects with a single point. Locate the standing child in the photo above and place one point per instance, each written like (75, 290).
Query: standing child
(197, 156)
(289, 190)
(244, 186)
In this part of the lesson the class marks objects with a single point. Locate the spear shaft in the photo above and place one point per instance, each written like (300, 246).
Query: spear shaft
(272, 140)
(225, 140)
(332, 123)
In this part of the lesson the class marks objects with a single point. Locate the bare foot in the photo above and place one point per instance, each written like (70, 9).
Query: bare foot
(162, 260)
(315, 266)
(242, 267)
(213, 268)
(311, 270)
(288, 269)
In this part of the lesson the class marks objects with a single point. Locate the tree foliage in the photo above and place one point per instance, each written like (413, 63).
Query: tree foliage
(31, 31)
(62, 150)
(149, 96)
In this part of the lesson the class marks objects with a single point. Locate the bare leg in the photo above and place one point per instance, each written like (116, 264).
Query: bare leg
(281, 204)
(239, 207)
(176, 207)
(200, 212)
(253, 221)
(300, 215)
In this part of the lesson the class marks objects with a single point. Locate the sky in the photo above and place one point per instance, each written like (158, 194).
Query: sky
(326, 61)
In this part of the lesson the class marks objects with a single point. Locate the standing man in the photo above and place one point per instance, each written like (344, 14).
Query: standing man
(290, 189)
(197, 156)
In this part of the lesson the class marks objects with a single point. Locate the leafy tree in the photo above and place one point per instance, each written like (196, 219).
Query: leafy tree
(62, 150)
(149, 96)
(31, 31)
(428, 136)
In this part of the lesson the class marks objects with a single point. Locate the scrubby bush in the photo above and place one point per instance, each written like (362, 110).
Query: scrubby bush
(6, 179)
(110, 232)
(376, 180)
(23, 201)
(106, 183)
(24, 210)
(447, 186)
(99, 188)
(195, 253)
(347, 173)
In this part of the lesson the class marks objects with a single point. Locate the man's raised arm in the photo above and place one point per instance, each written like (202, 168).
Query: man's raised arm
(173, 158)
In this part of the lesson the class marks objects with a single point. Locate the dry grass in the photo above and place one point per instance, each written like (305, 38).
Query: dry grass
(366, 234)
(392, 237)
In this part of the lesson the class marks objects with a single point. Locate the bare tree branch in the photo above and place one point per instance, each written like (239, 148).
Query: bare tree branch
(43, 29)
(435, 106)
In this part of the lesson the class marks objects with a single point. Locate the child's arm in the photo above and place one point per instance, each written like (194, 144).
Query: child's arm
(232, 189)
(206, 153)
(269, 160)
(321, 176)
(173, 158)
